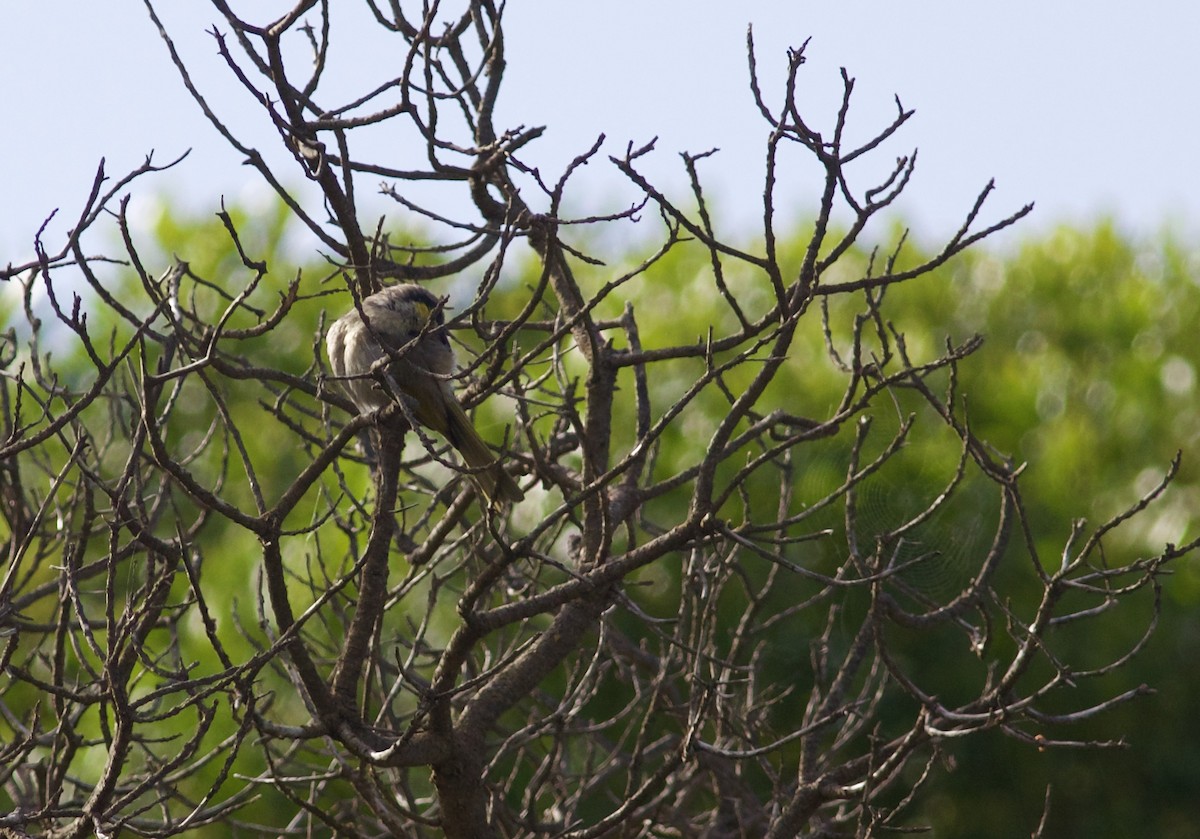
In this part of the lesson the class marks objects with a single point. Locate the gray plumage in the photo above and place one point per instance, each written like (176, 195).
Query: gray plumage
(397, 316)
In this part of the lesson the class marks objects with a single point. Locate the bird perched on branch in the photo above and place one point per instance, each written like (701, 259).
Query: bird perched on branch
(407, 320)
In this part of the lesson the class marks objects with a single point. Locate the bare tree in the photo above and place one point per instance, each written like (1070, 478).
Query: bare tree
(424, 663)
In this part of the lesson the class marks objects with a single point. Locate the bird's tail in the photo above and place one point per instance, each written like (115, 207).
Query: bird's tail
(491, 478)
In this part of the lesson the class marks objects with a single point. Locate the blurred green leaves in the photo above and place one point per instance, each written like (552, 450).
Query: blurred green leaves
(1087, 374)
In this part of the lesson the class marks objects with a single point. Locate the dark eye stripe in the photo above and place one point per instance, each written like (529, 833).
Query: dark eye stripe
(422, 295)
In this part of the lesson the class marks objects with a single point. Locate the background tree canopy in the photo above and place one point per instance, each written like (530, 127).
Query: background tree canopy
(1085, 374)
(825, 531)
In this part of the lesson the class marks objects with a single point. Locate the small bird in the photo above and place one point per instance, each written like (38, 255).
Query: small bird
(399, 317)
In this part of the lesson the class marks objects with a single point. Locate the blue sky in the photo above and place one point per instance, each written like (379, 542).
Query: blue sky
(1085, 109)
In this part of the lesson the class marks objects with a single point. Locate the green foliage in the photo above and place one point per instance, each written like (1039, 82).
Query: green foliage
(1087, 374)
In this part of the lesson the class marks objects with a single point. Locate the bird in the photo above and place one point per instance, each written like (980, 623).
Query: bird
(399, 318)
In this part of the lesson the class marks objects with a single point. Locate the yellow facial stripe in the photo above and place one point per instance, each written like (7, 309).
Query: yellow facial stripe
(422, 310)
